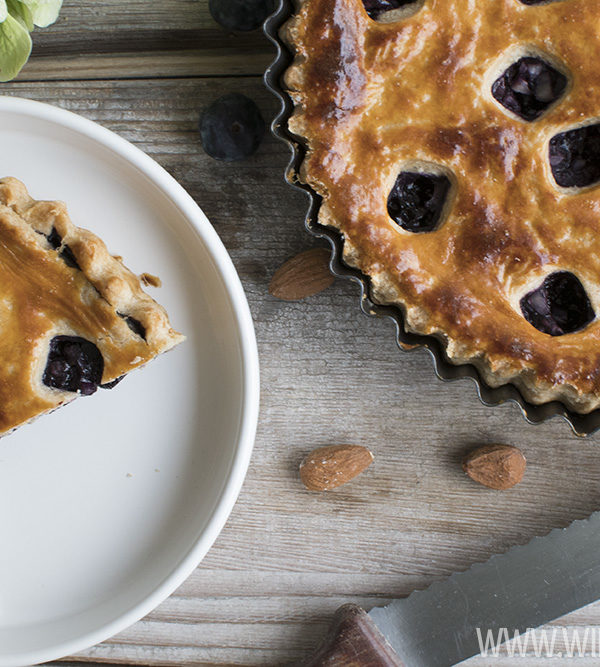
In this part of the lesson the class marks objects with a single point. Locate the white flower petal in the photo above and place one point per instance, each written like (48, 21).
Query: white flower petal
(43, 12)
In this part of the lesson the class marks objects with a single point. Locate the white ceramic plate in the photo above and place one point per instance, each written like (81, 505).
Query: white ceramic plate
(108, 504)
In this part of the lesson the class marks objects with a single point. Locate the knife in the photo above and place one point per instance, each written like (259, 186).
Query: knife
(519, 590)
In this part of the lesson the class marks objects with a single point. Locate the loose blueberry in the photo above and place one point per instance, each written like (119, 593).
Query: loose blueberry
(417, 200)
(114, 383)
(375, 8)
(575, 156)
(528, 87)
(74, 364)
(241, 14)
(135, 325)
(558, 306)
(231, 128)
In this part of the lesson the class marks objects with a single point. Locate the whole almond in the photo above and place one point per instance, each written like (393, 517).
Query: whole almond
(496, 466)
(303, 275)
(329, 467)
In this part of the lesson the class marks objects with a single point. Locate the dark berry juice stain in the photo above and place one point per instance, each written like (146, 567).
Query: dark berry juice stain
(417, 200)
(375, 8)
(231, 128)
(135, 325)
(74, 364)
(575, 156)
(242, 15)
(558, 306)
(528, 87)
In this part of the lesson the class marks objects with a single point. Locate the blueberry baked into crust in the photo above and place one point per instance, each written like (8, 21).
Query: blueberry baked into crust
(73, 318)
(456, 146)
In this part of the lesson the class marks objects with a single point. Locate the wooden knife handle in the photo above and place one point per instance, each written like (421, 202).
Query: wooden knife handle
(353, 640)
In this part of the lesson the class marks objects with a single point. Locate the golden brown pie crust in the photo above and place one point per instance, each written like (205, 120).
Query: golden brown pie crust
(373, 98)
(42, 297)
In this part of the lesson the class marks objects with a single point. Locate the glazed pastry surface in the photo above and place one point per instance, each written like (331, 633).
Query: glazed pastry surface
(373, 99)
(43, 296)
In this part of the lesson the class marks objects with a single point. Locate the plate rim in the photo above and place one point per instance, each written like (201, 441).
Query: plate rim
(246, 335)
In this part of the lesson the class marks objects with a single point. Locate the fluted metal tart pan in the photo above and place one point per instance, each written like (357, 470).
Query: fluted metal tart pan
(582, 424)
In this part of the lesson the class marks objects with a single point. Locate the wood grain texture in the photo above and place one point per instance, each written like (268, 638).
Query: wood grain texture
(288, 558)
(110, 39)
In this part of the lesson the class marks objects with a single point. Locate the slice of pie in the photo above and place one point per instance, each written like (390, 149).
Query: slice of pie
(72, 317)
(456, 147)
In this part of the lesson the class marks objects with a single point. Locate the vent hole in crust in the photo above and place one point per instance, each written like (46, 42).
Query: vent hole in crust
(528, 87)
(135, 325)
(575, 157)
(74, 364)
(376, 9)
(417, 200)
(558, 306)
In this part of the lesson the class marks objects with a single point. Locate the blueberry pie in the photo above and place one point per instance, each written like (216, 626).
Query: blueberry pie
(456, 146)
(73, 317)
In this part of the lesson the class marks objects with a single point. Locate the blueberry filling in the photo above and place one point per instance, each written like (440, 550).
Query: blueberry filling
(74, 364)
(241, 14)
(231, 128)
(114, 383)
(558, 306)
(66, 254)
(54, 239)
(417, 200)
(528, 87)
(575, 156)
(135, 325)
(375, 8)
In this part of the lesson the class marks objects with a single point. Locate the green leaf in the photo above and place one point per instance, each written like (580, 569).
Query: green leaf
(15, 47)
(43, 12)
(21, 13)
(3, 10)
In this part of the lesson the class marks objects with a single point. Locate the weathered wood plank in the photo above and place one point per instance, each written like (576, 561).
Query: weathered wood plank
(288, 557)
(241, 60)
(112, 17)
(113, 40)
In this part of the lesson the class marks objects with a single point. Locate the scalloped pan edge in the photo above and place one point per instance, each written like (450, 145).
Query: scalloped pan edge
(582, 424)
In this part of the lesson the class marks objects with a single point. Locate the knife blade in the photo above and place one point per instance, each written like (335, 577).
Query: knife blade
(524, 588)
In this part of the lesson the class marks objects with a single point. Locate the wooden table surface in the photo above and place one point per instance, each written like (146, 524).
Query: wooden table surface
(287, 557)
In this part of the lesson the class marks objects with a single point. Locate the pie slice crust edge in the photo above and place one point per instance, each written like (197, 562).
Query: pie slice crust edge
(72, 316)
